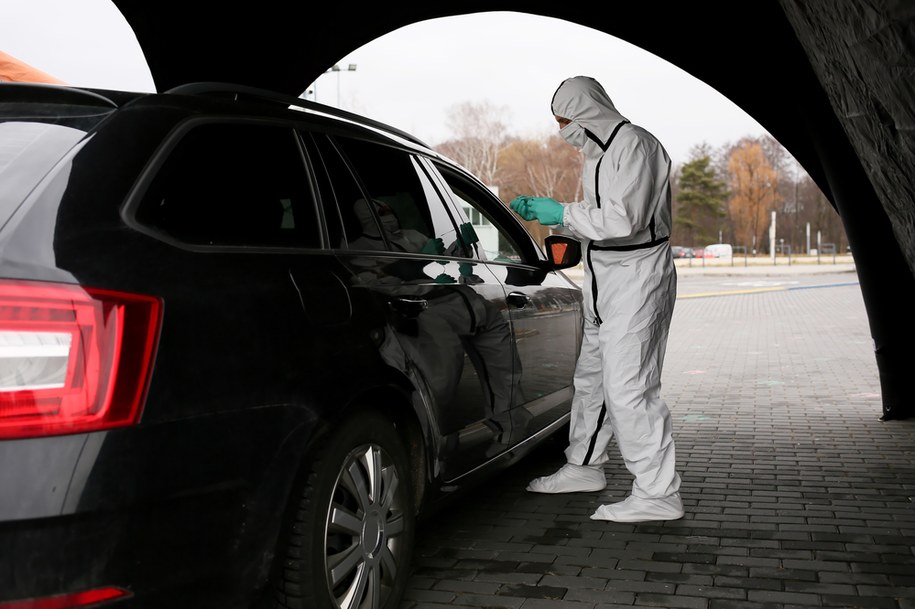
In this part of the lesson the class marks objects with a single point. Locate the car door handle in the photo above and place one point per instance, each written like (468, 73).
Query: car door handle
(408, 307)
(518, 299)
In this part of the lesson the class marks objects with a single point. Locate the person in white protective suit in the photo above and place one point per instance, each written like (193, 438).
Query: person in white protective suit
(629, 289)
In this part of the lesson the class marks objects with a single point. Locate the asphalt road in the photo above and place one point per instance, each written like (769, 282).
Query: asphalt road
(693, 286)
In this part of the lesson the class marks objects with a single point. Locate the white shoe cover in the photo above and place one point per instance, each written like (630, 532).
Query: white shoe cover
(571, 479)
(636, 509)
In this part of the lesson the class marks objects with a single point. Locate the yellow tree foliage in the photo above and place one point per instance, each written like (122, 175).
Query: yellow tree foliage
(754, 193)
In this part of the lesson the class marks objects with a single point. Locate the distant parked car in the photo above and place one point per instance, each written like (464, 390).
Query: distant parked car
(681, 252)
(719, 250)
(698, 252)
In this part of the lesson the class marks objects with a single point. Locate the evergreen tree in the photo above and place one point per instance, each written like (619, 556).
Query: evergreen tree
(700, 205)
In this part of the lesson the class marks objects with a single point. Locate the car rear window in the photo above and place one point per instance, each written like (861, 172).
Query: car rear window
(28, 151)
(38, 127)
(233, 184)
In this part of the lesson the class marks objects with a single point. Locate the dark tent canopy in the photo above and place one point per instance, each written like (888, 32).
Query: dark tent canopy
(839, 95)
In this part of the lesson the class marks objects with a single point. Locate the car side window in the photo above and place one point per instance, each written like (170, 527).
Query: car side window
(494, 241)
(394, 198)
(234, 184)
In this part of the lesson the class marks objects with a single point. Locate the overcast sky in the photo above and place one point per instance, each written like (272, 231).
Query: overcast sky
(412, 77)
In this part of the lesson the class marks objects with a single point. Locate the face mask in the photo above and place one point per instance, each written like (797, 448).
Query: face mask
(574, 134)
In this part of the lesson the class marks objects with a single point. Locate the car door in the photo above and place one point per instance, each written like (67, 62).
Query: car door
(231, 214)
(447, 330)
(544, 307)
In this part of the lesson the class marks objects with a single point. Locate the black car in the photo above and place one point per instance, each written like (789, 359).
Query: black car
(248, 342)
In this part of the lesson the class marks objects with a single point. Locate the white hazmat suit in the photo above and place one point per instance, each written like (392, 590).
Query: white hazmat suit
(629, 289)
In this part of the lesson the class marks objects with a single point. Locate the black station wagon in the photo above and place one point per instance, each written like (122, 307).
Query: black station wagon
(247, 342)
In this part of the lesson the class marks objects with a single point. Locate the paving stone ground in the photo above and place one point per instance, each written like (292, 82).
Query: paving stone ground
(796, 494)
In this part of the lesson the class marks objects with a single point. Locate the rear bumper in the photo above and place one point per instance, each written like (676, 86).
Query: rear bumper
(182, 514)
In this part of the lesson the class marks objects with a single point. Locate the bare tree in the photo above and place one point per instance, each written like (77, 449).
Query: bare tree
(546, 168)
(819, 213)
(480, 133)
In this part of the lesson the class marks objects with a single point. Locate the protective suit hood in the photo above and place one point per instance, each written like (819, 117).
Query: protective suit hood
(582, 100)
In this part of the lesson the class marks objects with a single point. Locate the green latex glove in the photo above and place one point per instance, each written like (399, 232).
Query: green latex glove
(520, 206)
(546, 210)
(434, 246)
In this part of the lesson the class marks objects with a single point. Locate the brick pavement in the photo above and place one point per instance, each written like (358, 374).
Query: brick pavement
(796, 495)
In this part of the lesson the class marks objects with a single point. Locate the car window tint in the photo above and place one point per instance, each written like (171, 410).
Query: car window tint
(234, 184)
(324, 162)
(397, 196)
(339, 190)
(457, 241)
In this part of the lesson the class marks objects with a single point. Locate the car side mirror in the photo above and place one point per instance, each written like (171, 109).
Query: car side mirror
(563, 252)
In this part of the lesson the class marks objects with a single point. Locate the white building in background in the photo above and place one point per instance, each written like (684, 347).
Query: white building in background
(486, 232)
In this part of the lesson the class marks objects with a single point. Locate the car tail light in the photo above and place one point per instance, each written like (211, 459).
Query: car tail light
(73, 600)
(72, 359)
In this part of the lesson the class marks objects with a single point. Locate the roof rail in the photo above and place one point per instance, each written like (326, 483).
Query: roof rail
(236, 91)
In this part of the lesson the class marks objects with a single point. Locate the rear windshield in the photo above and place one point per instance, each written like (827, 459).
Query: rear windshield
(28, 151)
(39, 125)
(35, 135)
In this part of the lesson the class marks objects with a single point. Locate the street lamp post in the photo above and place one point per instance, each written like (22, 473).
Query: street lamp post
(334, 68)
(350, 68)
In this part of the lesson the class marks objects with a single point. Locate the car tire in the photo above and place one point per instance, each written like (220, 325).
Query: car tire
(349, 539)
